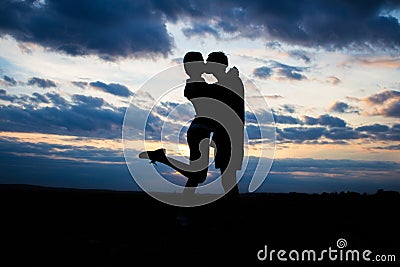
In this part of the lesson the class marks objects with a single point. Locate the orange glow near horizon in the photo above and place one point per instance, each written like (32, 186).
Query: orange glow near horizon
(356, 151)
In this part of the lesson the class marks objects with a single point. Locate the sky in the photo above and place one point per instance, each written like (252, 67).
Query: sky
(328, 72)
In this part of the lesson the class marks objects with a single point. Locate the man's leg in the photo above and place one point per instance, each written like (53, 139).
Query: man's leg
(229, 182)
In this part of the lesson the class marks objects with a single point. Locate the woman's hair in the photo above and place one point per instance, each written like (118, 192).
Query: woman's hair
(193, 57)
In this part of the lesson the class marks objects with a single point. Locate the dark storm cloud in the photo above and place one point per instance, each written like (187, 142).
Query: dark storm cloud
(84, 116)
(112, 88)
(342, 107)
(329, 24)
(9, 80)
(42, 83)
(108, 28)
(121, 28)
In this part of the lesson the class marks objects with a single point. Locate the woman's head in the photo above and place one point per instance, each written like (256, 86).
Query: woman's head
(196, 66)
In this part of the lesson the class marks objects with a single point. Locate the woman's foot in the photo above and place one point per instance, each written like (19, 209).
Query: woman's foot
(154, 155)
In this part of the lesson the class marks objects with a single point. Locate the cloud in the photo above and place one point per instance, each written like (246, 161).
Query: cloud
(112, 88)
(262, 72)
(80, 84)
(300, 54)
(384, 62)
(382, 97)
(38, 98)
(201, 30)
(283, 71)
(92, 167)
(333, 80)
(289, 72)
(84, 116)
(25, 100)
(42, 83)
(325, 119)
(289, 108)
(385, 103)
(376, 128)
(253, 132)
(300, 134)
(392, 147)
(108, 29)
(88, 100)
(380, 132)
(339, 134)
(285, 119)
(63, 165)
(331, 121)
(318, 176)
(331, 25)
(9, 80)
(274, 97)
(119, 28)
(273, 45)
(342, 133)
(57, 100)
(342, 107)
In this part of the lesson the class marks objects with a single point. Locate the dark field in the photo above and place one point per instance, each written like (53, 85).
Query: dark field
(48, 226)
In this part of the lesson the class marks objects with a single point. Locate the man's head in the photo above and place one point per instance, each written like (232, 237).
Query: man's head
(196, 66)
(222, 63)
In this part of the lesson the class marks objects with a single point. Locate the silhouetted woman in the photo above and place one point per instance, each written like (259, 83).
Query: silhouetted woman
(198, 134)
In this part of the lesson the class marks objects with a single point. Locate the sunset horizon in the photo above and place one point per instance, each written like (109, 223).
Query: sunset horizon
(328, 71)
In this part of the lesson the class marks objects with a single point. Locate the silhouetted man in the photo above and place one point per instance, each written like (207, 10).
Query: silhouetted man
(229, 134)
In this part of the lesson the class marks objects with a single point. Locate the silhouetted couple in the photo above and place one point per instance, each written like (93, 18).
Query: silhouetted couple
(219, 122)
